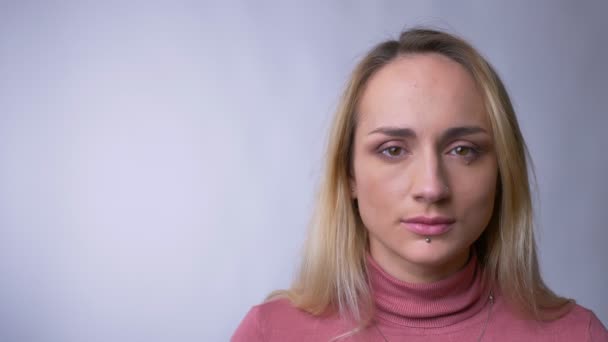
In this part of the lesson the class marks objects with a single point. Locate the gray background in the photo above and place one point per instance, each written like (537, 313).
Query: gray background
(158, 159)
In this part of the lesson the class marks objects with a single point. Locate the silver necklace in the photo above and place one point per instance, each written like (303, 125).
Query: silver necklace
(483, 331)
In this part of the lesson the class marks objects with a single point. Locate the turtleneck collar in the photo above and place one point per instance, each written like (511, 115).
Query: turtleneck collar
(430, 305)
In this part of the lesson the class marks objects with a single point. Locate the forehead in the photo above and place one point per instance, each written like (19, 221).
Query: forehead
(421, 91)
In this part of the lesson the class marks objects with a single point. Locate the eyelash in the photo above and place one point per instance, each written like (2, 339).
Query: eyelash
(385, 152)
(474, 152)
(472, 155)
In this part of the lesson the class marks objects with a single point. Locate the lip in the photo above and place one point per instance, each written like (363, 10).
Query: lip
(429, 226)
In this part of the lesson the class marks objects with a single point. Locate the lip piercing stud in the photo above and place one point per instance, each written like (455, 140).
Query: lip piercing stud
(427, 239)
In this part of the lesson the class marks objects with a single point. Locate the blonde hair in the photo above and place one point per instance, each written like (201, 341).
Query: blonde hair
(333, 276)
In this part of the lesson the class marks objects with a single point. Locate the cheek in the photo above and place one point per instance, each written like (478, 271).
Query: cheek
(377, 194)
(476, 200)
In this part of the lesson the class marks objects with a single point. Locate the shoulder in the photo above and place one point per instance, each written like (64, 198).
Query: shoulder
(583, 323)
(280, 311)
(578, 324)
(279, 318)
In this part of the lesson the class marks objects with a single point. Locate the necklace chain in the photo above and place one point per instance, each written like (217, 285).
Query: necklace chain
(483, 331)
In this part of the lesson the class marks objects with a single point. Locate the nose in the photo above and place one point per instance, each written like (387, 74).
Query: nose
(429, 181)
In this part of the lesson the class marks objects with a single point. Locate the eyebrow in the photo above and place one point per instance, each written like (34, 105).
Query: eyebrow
(396, 132)
(449, 134)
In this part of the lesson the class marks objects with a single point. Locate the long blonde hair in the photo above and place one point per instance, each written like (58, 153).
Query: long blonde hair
(333, 276)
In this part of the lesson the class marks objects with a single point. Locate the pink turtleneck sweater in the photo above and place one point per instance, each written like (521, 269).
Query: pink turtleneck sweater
(454, 309)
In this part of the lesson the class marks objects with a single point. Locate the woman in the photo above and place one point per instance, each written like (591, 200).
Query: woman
(423, 229)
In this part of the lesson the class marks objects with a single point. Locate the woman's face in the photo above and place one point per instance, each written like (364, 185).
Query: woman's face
(424, 166)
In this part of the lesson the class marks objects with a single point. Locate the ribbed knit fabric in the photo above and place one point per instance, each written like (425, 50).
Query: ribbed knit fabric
(453, 309)
(434, 305)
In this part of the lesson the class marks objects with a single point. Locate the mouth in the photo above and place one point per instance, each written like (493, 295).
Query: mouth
(429, 226)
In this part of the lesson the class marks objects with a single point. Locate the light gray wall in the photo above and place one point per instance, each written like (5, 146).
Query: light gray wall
(158, 159)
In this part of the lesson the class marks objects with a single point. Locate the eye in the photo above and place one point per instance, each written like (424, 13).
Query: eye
(462, 150)
(393, 152)
(466, 152)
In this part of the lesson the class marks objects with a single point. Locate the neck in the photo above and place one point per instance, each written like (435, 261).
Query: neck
(438, 304)
(417, 272)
